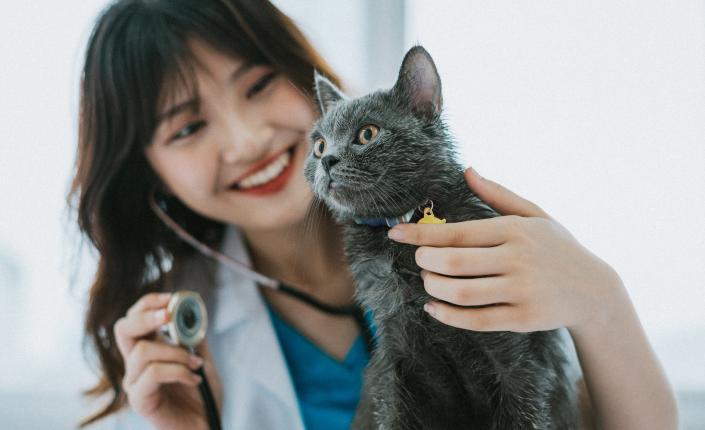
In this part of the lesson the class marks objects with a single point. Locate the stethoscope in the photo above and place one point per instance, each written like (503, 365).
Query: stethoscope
(262, 280)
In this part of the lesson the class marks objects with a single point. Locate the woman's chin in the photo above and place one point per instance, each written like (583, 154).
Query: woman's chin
(279, 214)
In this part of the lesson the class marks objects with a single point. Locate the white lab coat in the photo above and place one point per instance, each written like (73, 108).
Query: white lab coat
(258, 390)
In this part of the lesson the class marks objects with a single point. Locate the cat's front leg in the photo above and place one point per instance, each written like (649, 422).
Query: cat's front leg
(515, 413)
(378, 290)
(377, 409)
(364, 415)
(386, 402)
(522, 393)
(533, 385)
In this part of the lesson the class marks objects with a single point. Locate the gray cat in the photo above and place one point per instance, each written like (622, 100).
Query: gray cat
(374, 161)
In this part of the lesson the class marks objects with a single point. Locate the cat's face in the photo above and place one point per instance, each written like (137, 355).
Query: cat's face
(377, 155)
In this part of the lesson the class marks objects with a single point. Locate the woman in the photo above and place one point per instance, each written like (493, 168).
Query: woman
(209, 103)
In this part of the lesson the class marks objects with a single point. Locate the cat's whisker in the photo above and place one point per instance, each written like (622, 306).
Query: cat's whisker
(365, 200)
(309, 227)
(394, 192)
(376, 207)
(405, 193)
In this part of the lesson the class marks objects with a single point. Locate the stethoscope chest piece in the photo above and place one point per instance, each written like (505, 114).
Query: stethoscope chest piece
(187, 319)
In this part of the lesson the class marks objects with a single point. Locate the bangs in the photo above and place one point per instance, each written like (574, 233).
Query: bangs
(176, 84)
(155, 59)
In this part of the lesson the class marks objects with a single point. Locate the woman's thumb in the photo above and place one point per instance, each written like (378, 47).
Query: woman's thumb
(500, 198)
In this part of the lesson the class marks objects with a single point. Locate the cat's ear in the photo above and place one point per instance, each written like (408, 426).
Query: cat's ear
(327, 93)
(419, 84)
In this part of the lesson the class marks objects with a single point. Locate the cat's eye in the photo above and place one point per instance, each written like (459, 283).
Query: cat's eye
(367, 133)
(319, 147)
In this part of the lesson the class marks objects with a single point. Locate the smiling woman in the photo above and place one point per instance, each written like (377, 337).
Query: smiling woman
(223, 148)
(209, 102)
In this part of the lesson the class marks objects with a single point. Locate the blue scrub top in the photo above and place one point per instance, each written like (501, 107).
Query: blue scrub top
(327, 390)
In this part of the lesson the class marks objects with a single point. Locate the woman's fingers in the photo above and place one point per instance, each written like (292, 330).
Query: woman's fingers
(501, 198)
(464, 261)
(143, 318)
(146, 352)
(467, 291)
(157, 374)
(203, 350)
(490, 318)
(151, 301)
(477, 232)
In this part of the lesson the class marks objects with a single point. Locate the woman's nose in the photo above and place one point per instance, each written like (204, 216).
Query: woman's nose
(241, 140)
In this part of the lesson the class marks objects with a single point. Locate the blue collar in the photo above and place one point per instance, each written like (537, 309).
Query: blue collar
(388, 221)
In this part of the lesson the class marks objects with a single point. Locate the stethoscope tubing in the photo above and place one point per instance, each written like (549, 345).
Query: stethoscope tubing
(265, 281)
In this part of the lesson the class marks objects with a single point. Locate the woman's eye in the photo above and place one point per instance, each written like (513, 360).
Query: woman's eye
(188, 130)
(261, 84)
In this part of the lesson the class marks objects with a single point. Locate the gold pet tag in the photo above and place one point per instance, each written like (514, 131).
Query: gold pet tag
(429, 218)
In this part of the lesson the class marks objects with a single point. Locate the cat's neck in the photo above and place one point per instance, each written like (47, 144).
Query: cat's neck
(446, 189)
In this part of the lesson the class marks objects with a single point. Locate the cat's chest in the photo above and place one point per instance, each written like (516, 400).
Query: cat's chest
(371, 245)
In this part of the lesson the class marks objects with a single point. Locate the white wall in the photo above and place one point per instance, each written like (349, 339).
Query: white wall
(360, 39)
(40, 46)
(595, 111)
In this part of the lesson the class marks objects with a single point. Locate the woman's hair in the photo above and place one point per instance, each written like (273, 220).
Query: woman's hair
(137, 55)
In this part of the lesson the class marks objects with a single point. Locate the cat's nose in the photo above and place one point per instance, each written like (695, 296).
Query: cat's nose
(329, 161)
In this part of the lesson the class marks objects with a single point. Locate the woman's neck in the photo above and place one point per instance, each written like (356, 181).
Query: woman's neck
(311, 258)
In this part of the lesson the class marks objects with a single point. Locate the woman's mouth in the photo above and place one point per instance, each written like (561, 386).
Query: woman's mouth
(269, 179)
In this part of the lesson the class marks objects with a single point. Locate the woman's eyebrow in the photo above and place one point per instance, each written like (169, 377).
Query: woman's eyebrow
(241, 70)
(191, 105)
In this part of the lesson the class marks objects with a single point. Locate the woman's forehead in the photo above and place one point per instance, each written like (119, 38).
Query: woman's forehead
(210, 61)
(201, 63)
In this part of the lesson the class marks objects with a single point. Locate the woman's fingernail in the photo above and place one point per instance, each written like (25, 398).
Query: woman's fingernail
(159, 316)
(195, 361)
(196, 378)
(428, 307)
(396, 234)
(474, 172)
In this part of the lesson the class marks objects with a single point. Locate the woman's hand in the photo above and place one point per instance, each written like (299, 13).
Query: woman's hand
(530, 268)
(159, 379)
(538, 277)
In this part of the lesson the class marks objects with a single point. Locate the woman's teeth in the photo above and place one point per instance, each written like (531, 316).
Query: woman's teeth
(267, 173)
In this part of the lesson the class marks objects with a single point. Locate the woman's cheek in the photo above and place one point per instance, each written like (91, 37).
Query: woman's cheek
(291, 108)
(194, 175)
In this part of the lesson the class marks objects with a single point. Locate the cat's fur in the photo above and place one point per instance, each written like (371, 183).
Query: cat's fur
(423, 374)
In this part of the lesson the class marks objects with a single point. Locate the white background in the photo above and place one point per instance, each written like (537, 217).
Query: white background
(596, 112)
(593, 110)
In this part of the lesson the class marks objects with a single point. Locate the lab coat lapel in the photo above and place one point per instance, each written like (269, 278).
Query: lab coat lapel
(249, 342)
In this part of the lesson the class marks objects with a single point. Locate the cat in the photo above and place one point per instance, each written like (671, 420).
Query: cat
(375, 161)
